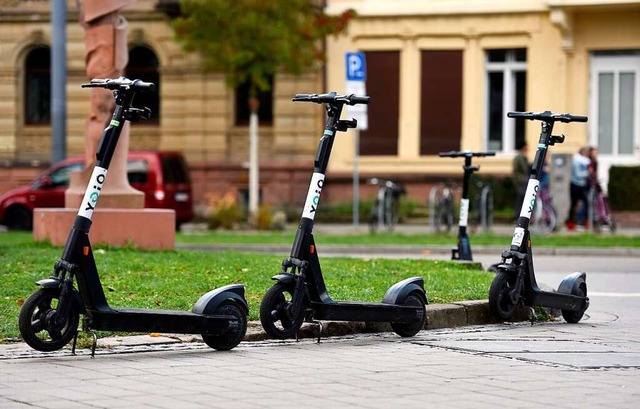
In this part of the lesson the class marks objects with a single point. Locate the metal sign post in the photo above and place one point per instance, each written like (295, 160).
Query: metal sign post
(356, 70)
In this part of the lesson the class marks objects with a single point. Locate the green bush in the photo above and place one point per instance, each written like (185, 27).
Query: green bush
(624, 187)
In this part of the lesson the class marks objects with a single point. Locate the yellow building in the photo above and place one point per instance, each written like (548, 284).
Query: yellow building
(442, 74)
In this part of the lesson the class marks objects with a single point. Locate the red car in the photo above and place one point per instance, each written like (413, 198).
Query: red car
(162, 176)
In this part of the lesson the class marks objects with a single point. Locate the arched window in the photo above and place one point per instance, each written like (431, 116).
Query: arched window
(265, 109)
(37, 90)
(143, 65)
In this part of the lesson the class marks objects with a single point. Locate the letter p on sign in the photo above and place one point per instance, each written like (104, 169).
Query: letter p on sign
(356, 67)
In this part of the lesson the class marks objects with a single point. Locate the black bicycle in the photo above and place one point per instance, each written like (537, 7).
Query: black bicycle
(481, 211)
(385, 212)
(442, 207)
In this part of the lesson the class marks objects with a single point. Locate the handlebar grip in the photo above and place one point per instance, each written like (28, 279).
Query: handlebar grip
(304, 97)
(139, 85)
(355, 99)
(577, 118)
(95, 83)
(515, 114)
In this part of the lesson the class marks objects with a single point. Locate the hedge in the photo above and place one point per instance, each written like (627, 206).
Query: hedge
(624, 187)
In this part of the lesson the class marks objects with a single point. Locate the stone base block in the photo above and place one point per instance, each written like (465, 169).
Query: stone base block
(148, 229)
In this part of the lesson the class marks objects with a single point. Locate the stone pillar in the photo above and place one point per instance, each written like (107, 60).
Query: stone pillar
(106, 56)
(120, 218)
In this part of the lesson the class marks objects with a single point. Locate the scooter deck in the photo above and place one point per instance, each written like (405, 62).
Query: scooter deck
(369, 312)
(145, 320)
(567, 302)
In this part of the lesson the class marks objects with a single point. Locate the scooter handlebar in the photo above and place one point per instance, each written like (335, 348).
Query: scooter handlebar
(457, 154)
(548, 116)
(331, 98)
(121, 83)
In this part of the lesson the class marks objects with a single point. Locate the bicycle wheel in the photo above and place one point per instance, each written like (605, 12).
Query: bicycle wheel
(487, 208)
(444, 216)
(391, 211)
(543, 219)
(373, 218)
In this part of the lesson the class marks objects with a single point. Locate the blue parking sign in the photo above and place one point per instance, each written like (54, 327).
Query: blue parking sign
(356, 67)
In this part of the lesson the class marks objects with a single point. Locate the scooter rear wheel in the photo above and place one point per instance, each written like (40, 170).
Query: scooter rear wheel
(411, 329)
(500, 303)
(273, 312)
(573, 317)
(39, 325)
(232, 337)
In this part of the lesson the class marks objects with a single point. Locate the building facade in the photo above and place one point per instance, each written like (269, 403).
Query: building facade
(442, 75)
(196, 113)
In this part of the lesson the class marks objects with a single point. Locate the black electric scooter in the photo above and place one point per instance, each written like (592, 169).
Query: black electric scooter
(300, 292)
(49, 317)
(515, 283)
(463, 250)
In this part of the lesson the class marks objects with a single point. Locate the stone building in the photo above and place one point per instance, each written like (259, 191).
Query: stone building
(442, 74)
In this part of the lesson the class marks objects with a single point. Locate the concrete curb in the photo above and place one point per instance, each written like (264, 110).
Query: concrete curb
(411, 250)
(458, 314)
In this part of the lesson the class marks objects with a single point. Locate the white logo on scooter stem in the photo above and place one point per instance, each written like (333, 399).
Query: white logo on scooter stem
(530, 198)
(90, 199)
(464, 212)
(313, 196)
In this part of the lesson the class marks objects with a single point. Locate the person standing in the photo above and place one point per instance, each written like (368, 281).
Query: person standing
(521, 171)
(579, 188)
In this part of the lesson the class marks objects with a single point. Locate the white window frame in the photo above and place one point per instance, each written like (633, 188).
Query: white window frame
(509, 68)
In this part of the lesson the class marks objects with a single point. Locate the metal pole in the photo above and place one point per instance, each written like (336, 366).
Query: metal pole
(58, 80)
(356, 180)
(253, 165)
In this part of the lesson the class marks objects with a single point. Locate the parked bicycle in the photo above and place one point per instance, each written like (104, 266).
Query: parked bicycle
(385, 212)
(441, 207)
(600, 214)
(482, 207)
(544, 218)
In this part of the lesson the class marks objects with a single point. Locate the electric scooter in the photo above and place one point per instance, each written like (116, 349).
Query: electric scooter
(463, 249)
(49, 318)
(300, 293)
(515, 283)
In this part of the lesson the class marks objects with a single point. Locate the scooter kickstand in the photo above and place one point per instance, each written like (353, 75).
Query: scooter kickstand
(319, 328)
(75, 342)
(532, 315)
(94, 344)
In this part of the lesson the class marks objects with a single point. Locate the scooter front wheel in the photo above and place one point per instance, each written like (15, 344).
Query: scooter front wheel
(274, 314)
(234, 335)
(411, 329)
(41, 327)
(500, 303)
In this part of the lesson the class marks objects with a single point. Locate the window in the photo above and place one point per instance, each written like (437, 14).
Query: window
(383, 86)
(506, 91)
(265, 109)
(37, 99)
(441, 101)
(143, 65)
